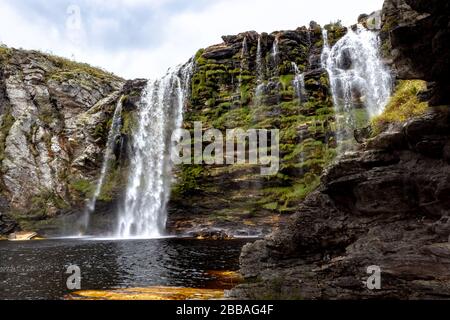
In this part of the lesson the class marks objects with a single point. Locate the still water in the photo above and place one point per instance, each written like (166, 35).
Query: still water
(37, 269)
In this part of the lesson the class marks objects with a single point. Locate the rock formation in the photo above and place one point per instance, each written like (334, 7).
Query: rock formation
(248, 82)
(54, 121)
(417, 34)
(385, 205)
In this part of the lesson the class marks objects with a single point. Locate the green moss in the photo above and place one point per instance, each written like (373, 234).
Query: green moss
(84, 187)
(39, 209)
(113, 183)
(5, 54)
(71, 70)
(403, 105)
(188, 180)
(6, 124)
(286, 81)
(129, 122)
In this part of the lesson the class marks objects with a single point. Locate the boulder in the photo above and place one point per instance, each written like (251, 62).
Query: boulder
(22, 236)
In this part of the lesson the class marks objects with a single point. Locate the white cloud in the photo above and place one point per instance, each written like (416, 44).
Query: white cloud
(181, 32)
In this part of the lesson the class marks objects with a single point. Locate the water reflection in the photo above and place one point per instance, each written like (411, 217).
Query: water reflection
(36, 270)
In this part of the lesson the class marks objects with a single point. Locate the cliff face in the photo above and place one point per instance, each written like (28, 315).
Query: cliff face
(56, 114)
(224, 96)
(417, 33)
(385, 205)
(54, 120)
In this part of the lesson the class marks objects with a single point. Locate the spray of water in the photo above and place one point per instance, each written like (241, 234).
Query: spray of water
(143, 213)
(109, 157)
(358, 77)
(299, 83)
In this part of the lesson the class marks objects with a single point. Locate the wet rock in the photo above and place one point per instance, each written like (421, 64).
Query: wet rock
(382, 206)
(7, 225)
(210, 234)
(219, 52)
(394, 140)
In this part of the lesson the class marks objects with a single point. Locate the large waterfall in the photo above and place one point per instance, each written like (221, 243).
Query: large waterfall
(358, 78)
(114, 133)
(143, 213)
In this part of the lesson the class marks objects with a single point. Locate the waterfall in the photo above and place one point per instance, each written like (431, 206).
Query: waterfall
(143, 213)
(299, 83)
(358, 78)
(244, 51)
(114, 132)
(244, 55)
(259, 71)
(275, 52)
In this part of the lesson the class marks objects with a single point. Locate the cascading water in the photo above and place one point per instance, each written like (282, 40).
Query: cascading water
(358, 78)
(113, 134)
(299, 83)
(275, 53)
(259, 71)
(144, 210)
(244, 55)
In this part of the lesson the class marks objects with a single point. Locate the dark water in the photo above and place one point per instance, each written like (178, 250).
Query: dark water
(36, 270)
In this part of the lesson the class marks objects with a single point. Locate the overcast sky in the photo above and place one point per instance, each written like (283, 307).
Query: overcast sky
(143, 38)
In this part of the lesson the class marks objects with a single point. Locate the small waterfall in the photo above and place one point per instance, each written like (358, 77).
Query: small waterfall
(358, 78)
(244, 52)
(276, 53)
(144, 209)
(260, 86)
(113, 134)
(299, 83)
(244, 55)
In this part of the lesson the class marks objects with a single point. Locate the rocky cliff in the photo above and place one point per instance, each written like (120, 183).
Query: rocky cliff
(385, 205)
(248, 82)
(55, 116)
(416, 37)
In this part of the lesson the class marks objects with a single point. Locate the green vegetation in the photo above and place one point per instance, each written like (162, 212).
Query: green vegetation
(403, 105)
(68, 69)
(189, 179)
(5, 54)
(224, 97)
(7, 120)
(85, 188)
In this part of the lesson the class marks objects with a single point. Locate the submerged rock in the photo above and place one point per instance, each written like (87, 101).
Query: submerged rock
(152, 293)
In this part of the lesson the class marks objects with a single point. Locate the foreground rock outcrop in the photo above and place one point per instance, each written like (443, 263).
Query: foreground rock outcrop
(418, 34)
(386, 205)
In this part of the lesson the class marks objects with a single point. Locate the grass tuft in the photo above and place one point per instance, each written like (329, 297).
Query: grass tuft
(403, 105)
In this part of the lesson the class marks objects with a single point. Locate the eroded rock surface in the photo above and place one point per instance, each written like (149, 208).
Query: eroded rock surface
(54, 118)
(419, 33)
(384, 206)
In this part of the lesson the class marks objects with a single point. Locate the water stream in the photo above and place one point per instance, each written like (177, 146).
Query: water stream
(109, 157)
(143, 213)
(360, 82)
